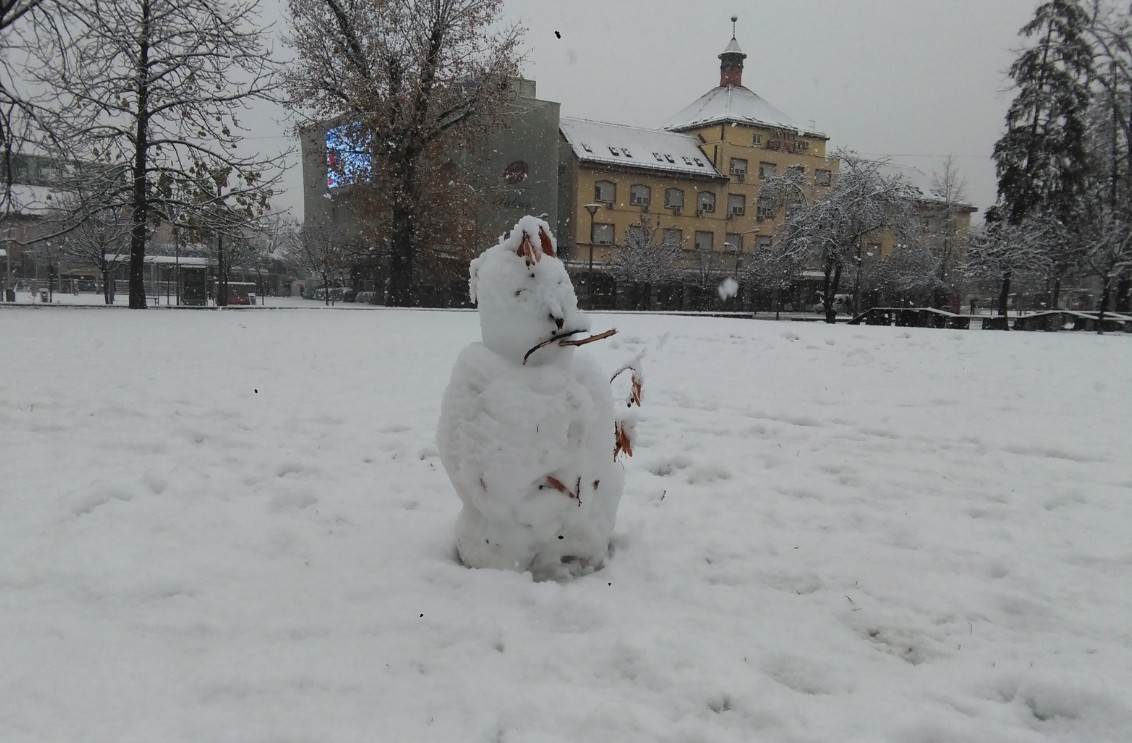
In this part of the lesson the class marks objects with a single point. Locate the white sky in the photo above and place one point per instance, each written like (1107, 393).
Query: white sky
(917, 79)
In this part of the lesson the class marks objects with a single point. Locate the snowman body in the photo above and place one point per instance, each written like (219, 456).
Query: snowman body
(527, 437)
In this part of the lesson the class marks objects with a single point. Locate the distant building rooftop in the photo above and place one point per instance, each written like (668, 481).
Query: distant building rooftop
(636, 147)
(733, 103)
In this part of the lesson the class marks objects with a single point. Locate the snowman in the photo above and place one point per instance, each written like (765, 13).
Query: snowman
(528, 433)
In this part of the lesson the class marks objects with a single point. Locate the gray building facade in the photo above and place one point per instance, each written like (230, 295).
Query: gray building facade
(513, 169)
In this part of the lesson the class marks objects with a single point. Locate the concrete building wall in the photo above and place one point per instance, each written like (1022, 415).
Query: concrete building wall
(514, 169)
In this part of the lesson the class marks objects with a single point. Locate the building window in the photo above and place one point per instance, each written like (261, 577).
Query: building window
(636, 236)
(674, 198)
(605, 192)
(796, 171)
(673, 236)
(739, 168)
(736, 204)
(517, 172)
(601, 234)
(706, 202)
(613, 151)
(640, 195)
(704, 240)
(823, 177)
(756, 139)
(766, 170)
(765, 208)
(734, 241)
(792, 208)
(763, 243)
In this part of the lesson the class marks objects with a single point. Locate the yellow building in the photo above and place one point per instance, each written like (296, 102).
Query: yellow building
(698, 181)
(698, 178)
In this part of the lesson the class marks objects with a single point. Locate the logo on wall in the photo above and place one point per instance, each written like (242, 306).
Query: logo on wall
(516, 172)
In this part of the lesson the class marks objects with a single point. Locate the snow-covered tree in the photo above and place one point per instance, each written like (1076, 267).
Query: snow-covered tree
(1041, 159)
(774, 269)
(155, 88)
(312, 249)
(1005, 253)
(832, 231)
(647, 256)
(1111, 122)
(1109, 254)
(416, 81)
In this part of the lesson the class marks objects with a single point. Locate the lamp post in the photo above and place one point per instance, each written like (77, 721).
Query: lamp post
(592, 209)
(7, 264)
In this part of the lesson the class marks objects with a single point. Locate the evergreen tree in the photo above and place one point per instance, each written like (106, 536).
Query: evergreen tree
(1041, 160)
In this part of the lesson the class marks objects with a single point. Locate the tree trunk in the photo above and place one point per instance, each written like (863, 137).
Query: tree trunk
(1106, 286)
(1123, 291)
(1055, 292)
(141, 150)
(777, 303)
(107, 288)
(221, 273)
(401, 259)
(831, 285)
(403, 233)
(1003, 299)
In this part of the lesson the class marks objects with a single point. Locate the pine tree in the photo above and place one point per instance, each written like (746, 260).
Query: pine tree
(1041, 160)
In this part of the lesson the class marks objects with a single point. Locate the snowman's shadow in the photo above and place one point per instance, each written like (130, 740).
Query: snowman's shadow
(573, 568)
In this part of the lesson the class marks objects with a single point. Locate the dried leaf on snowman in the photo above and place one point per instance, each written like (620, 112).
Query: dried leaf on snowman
(528, 431)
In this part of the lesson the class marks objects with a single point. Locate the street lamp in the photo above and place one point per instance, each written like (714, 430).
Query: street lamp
(592, 209)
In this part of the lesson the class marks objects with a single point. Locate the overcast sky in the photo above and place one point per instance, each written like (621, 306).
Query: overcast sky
(914, 79)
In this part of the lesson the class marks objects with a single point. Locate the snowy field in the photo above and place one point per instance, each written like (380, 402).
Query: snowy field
(234, 527)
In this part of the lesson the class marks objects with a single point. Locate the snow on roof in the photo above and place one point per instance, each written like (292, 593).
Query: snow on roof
(186, 261)
(732, 103)
(636, 147)
(918, 179)
(733, 48)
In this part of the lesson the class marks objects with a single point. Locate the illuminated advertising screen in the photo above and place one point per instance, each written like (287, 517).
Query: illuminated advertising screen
(348, 158)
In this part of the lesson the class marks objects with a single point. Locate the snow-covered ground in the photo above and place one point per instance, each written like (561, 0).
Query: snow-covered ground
(234, 527)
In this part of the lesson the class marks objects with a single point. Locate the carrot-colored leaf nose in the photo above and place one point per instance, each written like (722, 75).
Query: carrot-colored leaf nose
(527, 250)
(547, 245)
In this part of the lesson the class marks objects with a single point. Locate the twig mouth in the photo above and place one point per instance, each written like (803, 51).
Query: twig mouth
(564, 339)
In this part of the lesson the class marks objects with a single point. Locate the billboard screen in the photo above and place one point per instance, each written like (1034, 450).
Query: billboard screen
(348, 158)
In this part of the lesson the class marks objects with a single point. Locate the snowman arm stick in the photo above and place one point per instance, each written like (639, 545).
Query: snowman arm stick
(561, 338)
(591, 339)
(635, 385)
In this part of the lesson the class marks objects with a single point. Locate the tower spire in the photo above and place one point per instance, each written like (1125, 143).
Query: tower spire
(731, 60)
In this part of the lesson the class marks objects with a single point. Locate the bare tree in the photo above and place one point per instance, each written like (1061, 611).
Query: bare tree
(155, 88)
(945, 234)
(647, 256)
(312, 250)
(831, 231)
(24, 25)
(410, 78)
(97, 236)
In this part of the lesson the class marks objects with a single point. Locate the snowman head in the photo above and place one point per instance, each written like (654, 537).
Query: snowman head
(524, 294)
